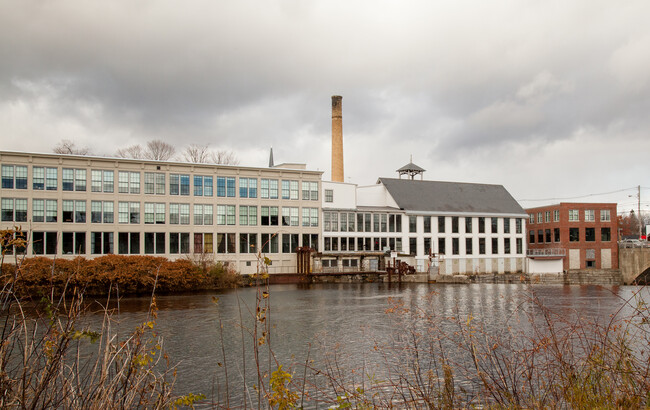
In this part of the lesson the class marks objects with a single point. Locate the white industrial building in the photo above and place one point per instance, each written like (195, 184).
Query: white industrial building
(463, 228)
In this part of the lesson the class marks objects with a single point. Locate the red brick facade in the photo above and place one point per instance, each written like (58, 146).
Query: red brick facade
(586, 231)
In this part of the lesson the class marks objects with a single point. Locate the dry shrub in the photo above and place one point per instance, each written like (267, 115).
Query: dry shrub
(129, 274)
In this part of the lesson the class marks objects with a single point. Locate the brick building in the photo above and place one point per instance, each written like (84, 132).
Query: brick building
(585, 232)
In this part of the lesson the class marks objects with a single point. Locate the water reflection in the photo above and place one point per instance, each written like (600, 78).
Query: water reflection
(351, 320)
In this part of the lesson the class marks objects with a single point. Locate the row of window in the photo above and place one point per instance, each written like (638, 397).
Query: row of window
(589, 215)
(589, 235)
(480, 246)
(101, 243)
(375, 222)
(129, 182)
(75, 211)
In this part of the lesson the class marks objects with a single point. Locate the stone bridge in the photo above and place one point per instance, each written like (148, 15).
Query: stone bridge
(635, 265)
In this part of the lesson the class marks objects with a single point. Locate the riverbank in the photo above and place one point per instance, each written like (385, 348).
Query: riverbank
(589, 277)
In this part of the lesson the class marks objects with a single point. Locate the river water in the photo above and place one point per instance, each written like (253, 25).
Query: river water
(355, 331)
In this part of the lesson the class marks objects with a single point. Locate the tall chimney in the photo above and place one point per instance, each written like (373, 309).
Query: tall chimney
(337, 139)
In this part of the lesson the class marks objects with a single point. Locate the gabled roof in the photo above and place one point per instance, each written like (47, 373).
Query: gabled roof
(457, 197)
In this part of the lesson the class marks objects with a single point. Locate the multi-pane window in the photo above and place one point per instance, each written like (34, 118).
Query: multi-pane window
(101, 243)
(481, 224)
(14, 176)
(290, 216)
(441, 225)
(51, 210)
(556, 215)
(38, 210)
(154, 242)
(519, 225)
(128, 212)
(269, 188)
(128, 243)
(247, 243)
(506, 225)
(605, 215)
(289, 242)
(44, 243)
(73, 243)
(310, 191)
(468, 246)
(269, 216)
(547, 216)
(179, 184)
(203, 185)
(38, 178)
(329, 195)
(539, 217)
(203, 214)
(412, 223)
(455, 246)
(531, 219)
(481, 246)
(128, 182)
(14, 210)
(520, 246)
(269, 243)
(494, 225)
(506, 245)
(101, 211)
(468, 225)
(230, 187)
(605, 234)
(179, 214)
(590, 234)
(495, 246)
(540, 236)
(73, 179)
(574, 234)
(51, 176)
(73, 211)
(556, 234)
(154, 183)
(154, 213)
(102, 181)
(589, 215)
(248, 188)
(454, 224)
(203, 243)
(574, 215)
(226, 243)
(427, 225)
(179, 242)
(247, 215)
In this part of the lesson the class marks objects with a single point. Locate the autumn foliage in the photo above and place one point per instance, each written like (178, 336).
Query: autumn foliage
(126, 274)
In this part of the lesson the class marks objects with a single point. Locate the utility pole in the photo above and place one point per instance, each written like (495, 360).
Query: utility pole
(639, 209)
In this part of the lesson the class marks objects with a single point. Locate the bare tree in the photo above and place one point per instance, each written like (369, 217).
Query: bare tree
(156, 149)
(68, 147)
(195, 153)
(159, 150)
(133, 151)
(224, 157)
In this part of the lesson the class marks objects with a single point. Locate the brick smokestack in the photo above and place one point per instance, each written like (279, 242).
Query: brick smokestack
(337, 139)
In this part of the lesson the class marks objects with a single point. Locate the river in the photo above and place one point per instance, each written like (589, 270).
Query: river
(347, 330)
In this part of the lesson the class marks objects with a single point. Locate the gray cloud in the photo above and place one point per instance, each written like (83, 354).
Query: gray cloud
(473, 90)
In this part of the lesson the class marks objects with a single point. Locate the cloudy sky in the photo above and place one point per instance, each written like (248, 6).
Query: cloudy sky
(549, 98)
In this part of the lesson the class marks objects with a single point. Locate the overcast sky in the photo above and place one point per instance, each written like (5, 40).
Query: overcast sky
(549, 98)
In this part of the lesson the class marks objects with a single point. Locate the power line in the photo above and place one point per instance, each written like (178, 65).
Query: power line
(578, 197)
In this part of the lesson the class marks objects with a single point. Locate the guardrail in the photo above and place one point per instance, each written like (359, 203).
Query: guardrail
(634, 244)
(550, 252)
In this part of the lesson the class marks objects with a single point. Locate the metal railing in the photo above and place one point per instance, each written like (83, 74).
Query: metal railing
(550, 252)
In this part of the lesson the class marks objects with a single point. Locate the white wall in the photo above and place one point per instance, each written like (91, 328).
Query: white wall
(345, 195)
(541, 266)
(375, 195)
